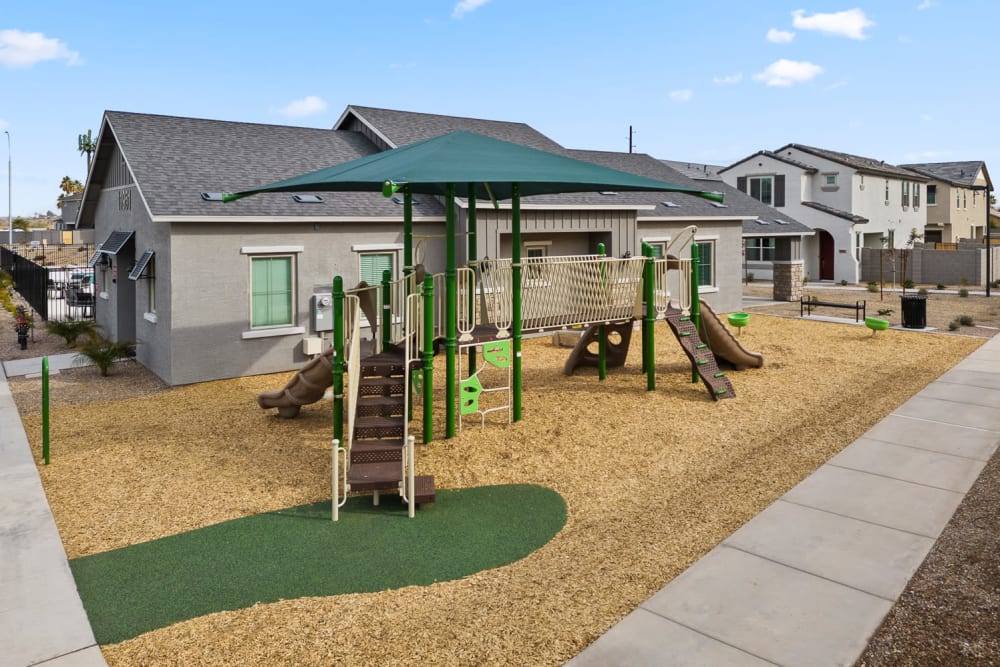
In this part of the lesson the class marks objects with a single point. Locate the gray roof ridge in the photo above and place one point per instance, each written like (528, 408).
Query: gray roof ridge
(135, 114)
(361, 107)
(776, 156)
(859, 162)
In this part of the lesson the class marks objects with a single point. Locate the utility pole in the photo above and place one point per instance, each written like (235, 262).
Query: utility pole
(630, 144)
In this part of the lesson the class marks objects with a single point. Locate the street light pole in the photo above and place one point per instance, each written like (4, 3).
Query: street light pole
(10, 193)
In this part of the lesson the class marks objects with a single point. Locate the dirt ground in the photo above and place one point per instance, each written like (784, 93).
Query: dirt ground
(652, 480)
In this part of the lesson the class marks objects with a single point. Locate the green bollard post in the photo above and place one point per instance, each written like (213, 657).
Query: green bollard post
(338, 358)
(648, 319)
(45, 409)
(602, 334)
(695, 304)
(428, 353)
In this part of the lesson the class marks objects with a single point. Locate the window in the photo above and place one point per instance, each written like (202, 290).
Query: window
(830, 182)
(916, 196)
(887, 192)
(535, 250)
(271, 291)
(706, 263)
(762, 189)
(906, 194)
(659, 249)
(932, 195)
(151, 285)
(965, 202)
(372, 266)
(831, 179)
(760, 249)
(958, 199)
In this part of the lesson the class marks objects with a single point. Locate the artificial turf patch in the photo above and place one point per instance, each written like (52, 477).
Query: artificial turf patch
(300, 552)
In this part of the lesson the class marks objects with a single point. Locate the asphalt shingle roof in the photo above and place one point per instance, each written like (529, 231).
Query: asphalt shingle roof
(857, 219)
(175, 159)
(865, 164)
(781, 158)
(956, 173)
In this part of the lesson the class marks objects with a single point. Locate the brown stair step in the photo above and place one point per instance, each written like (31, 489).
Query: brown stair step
(375, 476)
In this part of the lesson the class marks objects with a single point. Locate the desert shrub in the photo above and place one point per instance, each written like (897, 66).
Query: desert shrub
(963, 293)
(70, 330)
(953, 325)
(103, 352)
(939, 286)
(966, 321)
(872, 286)
(885, 312)
(843, 283)
(908, 284)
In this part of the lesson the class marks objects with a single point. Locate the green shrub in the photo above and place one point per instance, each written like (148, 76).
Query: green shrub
(908, 284)
(953, 325)
(70, 330)
(963, 293)
(939, 286)
(885, 312)
(103, 352)
(843, 283)
(872, 286)
(966, 321)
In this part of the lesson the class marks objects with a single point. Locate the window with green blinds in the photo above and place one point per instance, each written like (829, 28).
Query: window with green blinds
(373, 264)
(706, 263)
(271, 291)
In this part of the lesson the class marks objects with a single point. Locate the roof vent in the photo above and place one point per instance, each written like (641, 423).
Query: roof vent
(718, 204)
(308, 199)
(781, 222)
(670, 204)
(211, 196)
(762, 222)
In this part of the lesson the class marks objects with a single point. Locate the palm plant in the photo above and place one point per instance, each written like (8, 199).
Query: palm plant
(102, 352)
(87, 145)
(70, 329)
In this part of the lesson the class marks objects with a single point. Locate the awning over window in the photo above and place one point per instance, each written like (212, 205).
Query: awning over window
(140, 266)
(115, 242)
(93, 258)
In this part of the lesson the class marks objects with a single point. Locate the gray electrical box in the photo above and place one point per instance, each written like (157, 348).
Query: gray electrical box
(322, 312)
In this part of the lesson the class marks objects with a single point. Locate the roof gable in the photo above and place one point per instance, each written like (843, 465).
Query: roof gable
(857, 162)
(962, 174)
(774, 156)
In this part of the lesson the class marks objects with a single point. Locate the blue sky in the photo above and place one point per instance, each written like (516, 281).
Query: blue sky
(900, 81)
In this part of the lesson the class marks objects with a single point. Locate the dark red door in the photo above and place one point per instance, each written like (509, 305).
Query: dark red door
(825, 255)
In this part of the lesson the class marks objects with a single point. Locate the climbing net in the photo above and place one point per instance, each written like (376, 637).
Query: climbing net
(563, 291)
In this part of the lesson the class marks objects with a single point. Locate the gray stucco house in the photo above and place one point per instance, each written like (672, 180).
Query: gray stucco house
(213, 290)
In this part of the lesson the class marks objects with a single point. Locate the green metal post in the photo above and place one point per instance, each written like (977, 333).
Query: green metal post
(695, 304)
(451, 319)
(45, 409)
(386, 309)
(428, 353)
(473, 254)
(338, 358)
(602, 335)
(649, 319)
(407, 230)
(515, 286)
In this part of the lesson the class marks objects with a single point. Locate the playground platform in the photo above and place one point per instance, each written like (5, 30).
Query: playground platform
(807, 581)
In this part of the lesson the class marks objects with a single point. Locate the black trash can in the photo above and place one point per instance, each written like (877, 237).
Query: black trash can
(914, 311)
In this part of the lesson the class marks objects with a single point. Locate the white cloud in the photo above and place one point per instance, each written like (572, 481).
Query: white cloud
(466, 6)
(779, 36)
(788, 72)
(729, 79)
(926, 4)
(307, 106)
(24, 49)
(850, 23)
(684, 95)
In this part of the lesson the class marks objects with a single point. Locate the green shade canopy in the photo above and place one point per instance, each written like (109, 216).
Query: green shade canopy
(493, 166)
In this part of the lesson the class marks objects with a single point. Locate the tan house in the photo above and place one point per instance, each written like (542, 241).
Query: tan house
(956, 203)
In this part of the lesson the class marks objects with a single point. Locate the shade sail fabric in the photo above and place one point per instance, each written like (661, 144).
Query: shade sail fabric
(460, 158)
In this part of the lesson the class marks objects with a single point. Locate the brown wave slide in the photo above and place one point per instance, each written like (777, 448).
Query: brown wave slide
(724, 344)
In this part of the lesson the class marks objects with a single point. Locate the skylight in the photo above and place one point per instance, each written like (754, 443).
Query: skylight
(670, 204)
(781, 222)
(308, 199)
(608, 193)
(718, 204)
(211, 196)
(762, 222)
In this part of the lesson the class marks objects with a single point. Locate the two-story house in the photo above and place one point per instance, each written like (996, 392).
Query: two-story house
(956, 200)
(852, 202)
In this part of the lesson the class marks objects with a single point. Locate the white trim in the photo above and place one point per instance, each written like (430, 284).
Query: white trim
(695, 218)
(276, 331)
(271, 219)
(150, 317)
(654, 239)
(350, 110)
(271, 249)
(530, 243)
(487, 205)
(707, 237)
(710, 289)
(376, 247)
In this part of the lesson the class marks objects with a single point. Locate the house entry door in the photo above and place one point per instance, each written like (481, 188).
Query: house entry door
(826, 253)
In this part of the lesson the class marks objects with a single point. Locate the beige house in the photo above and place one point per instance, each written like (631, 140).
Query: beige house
(956, 203)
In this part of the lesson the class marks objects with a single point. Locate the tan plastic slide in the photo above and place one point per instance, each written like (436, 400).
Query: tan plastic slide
(724, 344)
(310, 383)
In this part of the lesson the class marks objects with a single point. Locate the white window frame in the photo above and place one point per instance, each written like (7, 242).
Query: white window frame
(713, 285)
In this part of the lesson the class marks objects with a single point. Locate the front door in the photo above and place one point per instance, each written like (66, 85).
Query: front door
(825, 255)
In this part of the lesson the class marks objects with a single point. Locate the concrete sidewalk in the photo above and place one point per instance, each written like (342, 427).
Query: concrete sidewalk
(810, 579)
(42, 621)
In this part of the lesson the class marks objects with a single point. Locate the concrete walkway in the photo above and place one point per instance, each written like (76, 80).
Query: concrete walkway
(42, 621)
(810, 579)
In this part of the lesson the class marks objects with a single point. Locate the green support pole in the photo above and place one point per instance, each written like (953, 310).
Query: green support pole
(386, 309)
(338, 358)
(428, 353)
(407, 230)
(602, 335)
(649, 319)
(451, 319)
(473, 254)
(515, 286)
(695, 304)
(45, 409)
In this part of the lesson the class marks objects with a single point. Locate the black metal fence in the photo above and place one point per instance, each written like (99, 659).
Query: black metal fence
(54, 293)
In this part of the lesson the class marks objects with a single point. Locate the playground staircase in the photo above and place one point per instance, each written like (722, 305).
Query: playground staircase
(701, 356)
(377, 449)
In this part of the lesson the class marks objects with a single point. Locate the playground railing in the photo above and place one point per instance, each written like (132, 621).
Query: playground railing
(352, 350)
(671, 282)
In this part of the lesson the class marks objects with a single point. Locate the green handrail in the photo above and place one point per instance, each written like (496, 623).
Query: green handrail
(338, 358)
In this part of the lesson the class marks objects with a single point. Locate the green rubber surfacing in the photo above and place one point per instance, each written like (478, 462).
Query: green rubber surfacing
(300, 552)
